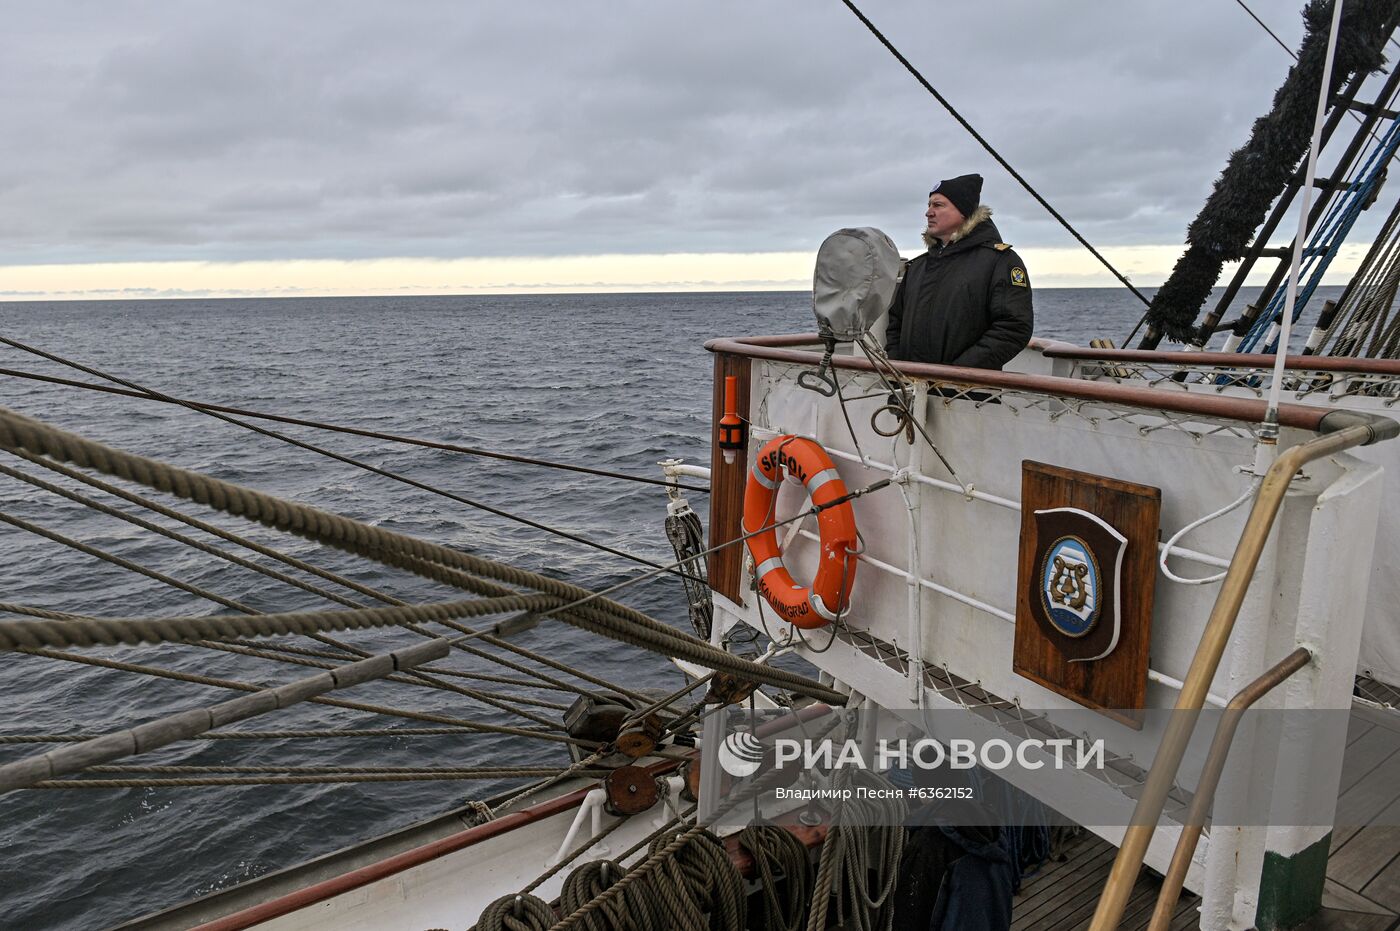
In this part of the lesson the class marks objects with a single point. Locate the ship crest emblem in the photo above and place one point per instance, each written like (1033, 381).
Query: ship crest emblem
(1070, 587)
(1078, 585)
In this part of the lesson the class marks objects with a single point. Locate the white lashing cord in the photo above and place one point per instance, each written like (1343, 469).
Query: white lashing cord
(1167, 547)
(1300, 238)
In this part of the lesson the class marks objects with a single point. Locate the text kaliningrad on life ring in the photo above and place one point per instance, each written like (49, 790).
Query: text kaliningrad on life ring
(830, 593)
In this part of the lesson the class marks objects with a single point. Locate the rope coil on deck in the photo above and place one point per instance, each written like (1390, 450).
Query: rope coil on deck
(775, 847)
(516, 913)
(591, 880)
(862, 851)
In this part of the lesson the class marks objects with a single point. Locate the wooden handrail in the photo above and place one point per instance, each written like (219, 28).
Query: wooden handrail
(1245, 410)
(1236, 360)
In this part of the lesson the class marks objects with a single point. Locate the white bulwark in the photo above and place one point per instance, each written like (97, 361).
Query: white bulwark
(932, 620)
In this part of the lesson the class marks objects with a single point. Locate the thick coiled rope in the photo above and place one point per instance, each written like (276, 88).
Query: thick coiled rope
(623, 887)
(598, 615)
(706, 878)
(631, 911)
(866, 836)
(695, 880)
(775, 847)
(516, 913)
(687, 876)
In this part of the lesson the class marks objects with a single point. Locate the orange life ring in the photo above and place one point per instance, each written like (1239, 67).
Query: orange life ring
(830, 593)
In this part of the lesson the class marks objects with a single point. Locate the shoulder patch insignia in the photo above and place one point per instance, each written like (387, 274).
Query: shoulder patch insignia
(1018, 277)
(1002, 246)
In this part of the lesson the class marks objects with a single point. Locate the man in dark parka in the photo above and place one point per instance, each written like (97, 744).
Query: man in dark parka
(967, 300)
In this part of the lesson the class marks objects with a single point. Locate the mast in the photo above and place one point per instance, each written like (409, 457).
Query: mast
(1327, 189)
(1257, 173)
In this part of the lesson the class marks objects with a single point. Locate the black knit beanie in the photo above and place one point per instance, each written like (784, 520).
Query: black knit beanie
(964, 192)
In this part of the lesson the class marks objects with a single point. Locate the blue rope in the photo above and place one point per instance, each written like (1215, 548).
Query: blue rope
(1326, 240)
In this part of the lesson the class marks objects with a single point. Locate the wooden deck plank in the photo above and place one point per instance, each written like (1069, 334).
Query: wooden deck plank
(1332, 920)
(1072, 853)
(1364, 857)
(1078, 899)
(1090, 860)
(1140, 906)
(1384, 887)
(1339, 897)
(1186, 910)
(1079, 916)
(1188, 916)
(1063, 898)
(1044, 883)
(1366, 747)
(1066, 891)
(1358, 805)
(1358, 727)
(1368, 742)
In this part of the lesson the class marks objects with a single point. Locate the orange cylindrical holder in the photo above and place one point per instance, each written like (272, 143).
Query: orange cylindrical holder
(732, 432)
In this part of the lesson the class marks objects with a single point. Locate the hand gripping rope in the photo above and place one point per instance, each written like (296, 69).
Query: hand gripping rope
(829, 594)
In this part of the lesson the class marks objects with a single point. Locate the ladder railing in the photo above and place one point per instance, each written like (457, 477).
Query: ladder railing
(1210, 779)
(1341, 430)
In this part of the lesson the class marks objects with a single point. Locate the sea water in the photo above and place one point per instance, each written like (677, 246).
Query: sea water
(614, 382)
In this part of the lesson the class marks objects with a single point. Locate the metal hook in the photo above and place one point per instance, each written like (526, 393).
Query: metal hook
(821, 380)
(818, 380)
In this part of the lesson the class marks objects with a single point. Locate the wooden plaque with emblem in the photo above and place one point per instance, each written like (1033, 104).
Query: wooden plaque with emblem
(1087, 568)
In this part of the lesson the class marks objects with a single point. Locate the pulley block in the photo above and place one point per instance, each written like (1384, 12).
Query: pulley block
(630, 790)
(594, 717)
(639, 736)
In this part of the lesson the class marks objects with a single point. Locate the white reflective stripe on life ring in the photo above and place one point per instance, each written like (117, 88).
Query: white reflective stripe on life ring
(764, 480)
(767, 566)
(820, 479)
(819, 606)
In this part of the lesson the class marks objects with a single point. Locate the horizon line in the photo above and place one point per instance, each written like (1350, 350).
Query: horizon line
(60, 298)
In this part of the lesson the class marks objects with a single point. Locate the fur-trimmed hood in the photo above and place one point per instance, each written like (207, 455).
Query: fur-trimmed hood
(983, 212)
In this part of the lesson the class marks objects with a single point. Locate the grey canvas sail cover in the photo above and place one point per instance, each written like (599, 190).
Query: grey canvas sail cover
(854, 282)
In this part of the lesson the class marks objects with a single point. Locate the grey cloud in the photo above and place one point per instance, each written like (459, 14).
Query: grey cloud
(209, 130)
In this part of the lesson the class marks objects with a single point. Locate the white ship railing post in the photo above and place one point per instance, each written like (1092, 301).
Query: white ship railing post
(869, 730)
(1235, 853)
(711, 736)
(913, 498)
(1243, 773)
(1330, 618)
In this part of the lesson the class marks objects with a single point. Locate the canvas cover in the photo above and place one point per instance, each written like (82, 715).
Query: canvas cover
(854, 282)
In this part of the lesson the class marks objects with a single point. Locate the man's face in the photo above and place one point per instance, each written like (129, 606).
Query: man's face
(943, 218)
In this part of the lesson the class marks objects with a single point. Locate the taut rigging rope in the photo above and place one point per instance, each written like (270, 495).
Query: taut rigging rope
(339, 457)
(1291, 54)
(993, 152)
(429, 717)
(545, 680)
(330, 733)
(354, 431)
(462, 570)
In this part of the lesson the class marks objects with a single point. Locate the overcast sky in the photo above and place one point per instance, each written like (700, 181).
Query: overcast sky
(273, 131)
